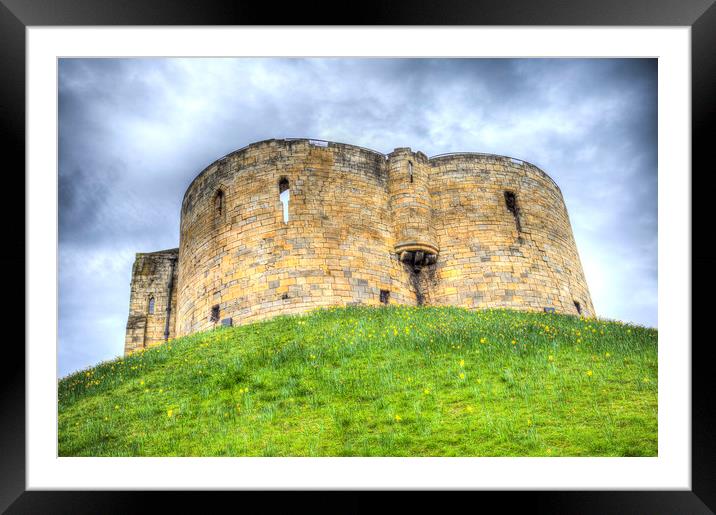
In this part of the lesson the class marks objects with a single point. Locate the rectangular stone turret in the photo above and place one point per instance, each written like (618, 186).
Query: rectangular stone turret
(152, 302)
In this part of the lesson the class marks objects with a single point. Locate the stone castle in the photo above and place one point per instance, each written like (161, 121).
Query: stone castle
(286, 226)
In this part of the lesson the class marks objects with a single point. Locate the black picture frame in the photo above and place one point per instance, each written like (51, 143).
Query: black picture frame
(700, 15)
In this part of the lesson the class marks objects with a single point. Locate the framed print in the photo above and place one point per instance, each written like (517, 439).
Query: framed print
(426, 252)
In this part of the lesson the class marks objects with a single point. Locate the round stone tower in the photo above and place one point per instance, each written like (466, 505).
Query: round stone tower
(286, 226)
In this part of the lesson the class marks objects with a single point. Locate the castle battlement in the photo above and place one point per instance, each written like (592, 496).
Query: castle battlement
(286, 226)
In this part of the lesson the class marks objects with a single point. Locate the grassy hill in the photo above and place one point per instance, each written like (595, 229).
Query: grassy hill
(393, 381)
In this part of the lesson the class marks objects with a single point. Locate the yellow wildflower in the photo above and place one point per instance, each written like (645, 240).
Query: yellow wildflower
(589, 373)
(462, 375)
(398, 418)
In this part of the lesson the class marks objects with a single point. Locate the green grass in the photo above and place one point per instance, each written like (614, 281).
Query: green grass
(375, 382)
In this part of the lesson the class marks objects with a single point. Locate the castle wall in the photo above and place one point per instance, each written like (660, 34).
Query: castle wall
(335, 249)
(491, 256)
(471, 230)
(154, 276)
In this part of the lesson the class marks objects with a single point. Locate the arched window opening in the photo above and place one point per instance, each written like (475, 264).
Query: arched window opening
(410, 170)
(151, 306)
(219, 202)
(284, 196)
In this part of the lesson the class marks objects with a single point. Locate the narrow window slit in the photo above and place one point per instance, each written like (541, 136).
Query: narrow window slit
(219, 202)
(284, 196)
(578, 306)
(151, 305)
(511, 203)
(410, 170)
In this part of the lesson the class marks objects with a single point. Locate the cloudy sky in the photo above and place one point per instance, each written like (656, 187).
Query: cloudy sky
(133, 133)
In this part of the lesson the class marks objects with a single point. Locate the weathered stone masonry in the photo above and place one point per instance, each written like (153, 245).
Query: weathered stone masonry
(153, 299)
(472, 230)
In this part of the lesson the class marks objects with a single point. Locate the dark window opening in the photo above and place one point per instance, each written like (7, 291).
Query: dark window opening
(151, 305)
(284, 296)
(578, 306)
(410, 170)
(384, 296)
(511, 203)
(284, 194)
(214, 313)
(219, 202)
